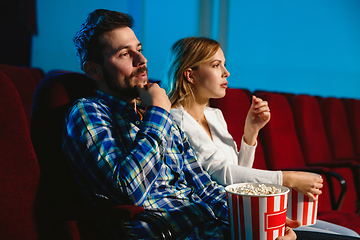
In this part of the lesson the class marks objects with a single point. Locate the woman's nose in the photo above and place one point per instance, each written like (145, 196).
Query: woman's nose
(226, 72)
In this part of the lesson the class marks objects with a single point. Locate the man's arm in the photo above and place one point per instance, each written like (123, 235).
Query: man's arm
(115, 159)
(209, 191)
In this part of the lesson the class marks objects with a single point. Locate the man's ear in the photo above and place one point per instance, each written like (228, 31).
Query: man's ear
(189, 75)
(93, 70)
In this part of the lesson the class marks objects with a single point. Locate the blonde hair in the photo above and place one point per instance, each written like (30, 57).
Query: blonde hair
(186, 53)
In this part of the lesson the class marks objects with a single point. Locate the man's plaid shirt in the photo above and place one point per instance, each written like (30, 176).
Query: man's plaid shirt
(117, 156)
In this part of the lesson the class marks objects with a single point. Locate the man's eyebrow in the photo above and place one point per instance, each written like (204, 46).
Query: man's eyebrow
(116, 50)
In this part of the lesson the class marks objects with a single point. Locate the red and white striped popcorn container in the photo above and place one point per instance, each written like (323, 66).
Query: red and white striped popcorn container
(302, 208)
(257, 217)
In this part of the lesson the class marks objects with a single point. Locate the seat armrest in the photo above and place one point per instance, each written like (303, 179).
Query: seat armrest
(77, 213)
(336, 202)
(121, 212)
(314, 169)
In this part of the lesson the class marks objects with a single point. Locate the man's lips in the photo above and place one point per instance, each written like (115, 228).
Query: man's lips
(141, 76)
(140, 72)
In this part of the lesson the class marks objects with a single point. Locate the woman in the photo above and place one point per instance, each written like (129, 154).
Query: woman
(195, 73)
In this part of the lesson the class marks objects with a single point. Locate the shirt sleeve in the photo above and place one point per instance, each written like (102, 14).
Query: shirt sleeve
(98, 148)
(216, 161)
(206, 189)
(246, 154)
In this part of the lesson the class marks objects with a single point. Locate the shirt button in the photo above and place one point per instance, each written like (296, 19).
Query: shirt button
(137, 122)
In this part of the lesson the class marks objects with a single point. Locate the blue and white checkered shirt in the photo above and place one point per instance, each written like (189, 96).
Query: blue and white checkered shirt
(117, 156)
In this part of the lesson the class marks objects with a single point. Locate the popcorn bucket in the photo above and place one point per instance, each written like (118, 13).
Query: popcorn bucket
(302, 208)
(257, 217)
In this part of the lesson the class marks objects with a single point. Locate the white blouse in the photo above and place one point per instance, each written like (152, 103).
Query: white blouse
(219, 157)
(226, 165)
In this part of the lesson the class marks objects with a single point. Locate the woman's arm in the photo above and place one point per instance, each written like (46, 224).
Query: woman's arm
(258, 116)
(219, 162)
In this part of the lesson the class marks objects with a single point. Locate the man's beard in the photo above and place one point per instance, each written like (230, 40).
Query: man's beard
(127, 91)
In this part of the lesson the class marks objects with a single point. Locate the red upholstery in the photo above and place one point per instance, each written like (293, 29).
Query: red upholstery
(19, 171)
(352, 107)
(337, 128)
(315, 146)
(37, 73)
(25, 85)
(283, 151)
(278, 137)
(235, 106)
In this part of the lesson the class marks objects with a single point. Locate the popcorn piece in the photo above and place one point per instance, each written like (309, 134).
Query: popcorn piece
(252, 190)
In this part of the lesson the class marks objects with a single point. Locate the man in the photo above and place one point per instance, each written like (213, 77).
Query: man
(123, 150)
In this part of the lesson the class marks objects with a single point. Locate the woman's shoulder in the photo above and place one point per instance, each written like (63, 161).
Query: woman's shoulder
(177, 113)
(214, 111)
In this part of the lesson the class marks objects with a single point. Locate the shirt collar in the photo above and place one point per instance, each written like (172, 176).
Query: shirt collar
(120, 106)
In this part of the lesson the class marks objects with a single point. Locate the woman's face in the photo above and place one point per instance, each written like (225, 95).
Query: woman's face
(210, 78)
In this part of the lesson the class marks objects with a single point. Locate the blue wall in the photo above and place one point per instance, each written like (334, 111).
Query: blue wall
(310, 47)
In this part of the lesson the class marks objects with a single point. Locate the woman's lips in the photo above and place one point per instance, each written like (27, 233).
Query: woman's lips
(224, 85)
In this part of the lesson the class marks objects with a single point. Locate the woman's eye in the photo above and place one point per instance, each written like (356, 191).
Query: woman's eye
(216, 65)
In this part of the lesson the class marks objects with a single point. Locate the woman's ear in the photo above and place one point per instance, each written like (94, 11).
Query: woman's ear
(93, 70)
(189, 75)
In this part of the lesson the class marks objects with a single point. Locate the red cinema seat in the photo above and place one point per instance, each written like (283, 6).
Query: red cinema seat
(352, 107)
(316, 148)
(337, 129)
(25, 86)
(283, 152)
(19, 171)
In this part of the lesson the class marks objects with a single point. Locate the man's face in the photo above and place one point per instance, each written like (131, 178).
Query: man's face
(124, 65)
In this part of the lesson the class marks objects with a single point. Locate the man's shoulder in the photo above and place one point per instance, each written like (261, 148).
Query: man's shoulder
(87, 104)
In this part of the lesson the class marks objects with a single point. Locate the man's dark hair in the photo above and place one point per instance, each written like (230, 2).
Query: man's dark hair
(88, 44)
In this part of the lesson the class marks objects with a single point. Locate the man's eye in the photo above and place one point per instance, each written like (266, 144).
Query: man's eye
(124, 54)
(140, 50)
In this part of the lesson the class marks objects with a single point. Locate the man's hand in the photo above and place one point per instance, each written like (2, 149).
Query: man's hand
(289, 233)
(152, 94)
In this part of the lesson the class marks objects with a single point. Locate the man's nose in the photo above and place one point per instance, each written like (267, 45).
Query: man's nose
(139, 59)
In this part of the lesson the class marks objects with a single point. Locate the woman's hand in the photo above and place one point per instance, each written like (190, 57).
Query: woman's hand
(289, 233)
(257, 117)
(307, 183)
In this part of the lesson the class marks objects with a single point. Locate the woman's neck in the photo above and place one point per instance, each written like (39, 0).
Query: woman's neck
(196, 110)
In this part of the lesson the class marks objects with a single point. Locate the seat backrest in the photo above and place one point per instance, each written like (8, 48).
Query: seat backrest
(278, 138)
(37, 73)
(352, 107)
(314, 143)
(19, 171)
(337, 128)
(235, 106)
(280, 142)
(53, 97)
(310, 129)
(25, 85)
